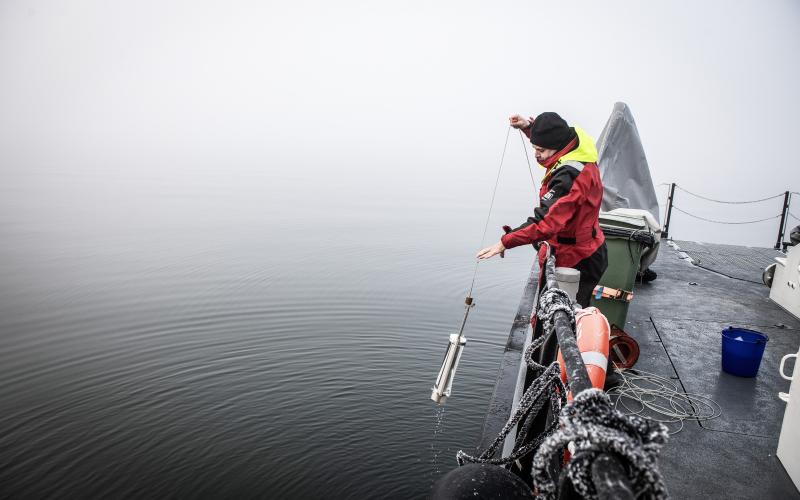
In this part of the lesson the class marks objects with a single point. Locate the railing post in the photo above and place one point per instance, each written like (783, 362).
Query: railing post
(782, 227)
(670, 197)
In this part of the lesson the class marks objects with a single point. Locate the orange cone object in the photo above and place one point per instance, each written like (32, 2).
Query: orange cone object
(593, 333)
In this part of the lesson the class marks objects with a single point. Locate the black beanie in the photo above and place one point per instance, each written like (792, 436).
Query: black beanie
(550, 131)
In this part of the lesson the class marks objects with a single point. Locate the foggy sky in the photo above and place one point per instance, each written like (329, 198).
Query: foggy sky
(383, 94)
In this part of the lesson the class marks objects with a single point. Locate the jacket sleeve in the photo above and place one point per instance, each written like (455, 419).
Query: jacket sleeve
(555, 209)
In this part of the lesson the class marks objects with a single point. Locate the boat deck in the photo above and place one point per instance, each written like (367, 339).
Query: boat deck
(677, 320)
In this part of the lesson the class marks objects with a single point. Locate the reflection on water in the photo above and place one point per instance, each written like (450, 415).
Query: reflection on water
(236, 336)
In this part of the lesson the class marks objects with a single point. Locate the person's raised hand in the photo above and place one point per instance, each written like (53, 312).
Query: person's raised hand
(519, 121)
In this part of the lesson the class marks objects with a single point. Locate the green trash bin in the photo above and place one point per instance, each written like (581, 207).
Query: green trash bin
(624, 235)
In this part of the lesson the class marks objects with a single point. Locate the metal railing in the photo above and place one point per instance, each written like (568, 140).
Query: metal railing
(783, 216)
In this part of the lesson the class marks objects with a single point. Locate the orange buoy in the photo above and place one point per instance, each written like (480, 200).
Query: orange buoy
(593, 333)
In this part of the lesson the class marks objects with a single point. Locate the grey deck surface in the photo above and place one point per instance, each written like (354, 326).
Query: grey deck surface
(745, 263)
(677, 320)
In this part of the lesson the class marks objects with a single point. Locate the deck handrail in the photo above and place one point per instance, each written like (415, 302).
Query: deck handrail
(784, 215)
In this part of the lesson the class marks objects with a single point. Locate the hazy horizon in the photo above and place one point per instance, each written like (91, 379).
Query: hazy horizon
(401, 98)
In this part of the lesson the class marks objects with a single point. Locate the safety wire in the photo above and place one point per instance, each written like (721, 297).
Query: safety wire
(491, 205)
(722, 221)
(728, 202)
(658, 399)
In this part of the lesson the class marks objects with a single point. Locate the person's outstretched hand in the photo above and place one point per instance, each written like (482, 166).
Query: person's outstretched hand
(519, 121)
(491, 251)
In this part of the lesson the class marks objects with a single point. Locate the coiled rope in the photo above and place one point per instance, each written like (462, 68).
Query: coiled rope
(660, 400)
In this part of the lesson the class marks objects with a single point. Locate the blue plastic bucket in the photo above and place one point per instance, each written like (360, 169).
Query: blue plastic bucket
(742, 351)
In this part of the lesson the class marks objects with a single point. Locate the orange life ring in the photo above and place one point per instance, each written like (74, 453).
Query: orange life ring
(593, 332)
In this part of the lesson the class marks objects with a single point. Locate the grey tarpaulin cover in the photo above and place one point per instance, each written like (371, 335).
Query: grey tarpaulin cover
(623, 165)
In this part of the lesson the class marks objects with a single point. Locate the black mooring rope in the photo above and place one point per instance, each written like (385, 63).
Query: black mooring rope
(546, 386)
(594, 427)
(533, 400)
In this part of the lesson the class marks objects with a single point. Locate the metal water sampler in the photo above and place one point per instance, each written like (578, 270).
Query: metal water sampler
(444, 381)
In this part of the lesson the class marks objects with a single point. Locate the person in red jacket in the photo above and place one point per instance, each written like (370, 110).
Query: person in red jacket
(569, 205)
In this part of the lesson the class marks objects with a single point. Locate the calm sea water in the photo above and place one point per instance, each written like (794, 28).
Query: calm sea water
(242, 334)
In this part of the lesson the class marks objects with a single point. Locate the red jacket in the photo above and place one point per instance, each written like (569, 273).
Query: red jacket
(570, 197)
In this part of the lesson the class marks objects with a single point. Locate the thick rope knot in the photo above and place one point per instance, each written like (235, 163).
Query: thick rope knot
(553, 300)
(592, 424)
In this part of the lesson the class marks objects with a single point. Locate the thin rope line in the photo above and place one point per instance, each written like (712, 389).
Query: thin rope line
(793, 216)
(659, 399)
(527, 159)
(724, 222)
(728, 202)
(491, 205)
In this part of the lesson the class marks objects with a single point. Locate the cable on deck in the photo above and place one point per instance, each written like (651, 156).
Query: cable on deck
(659, 399)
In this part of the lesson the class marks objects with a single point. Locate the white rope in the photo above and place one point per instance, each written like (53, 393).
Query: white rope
(659, 399)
